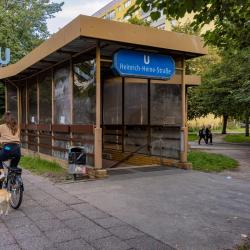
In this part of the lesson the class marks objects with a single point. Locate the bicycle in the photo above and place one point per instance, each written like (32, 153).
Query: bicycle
(14, 184)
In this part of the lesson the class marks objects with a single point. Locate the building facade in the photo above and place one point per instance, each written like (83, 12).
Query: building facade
(116, 10)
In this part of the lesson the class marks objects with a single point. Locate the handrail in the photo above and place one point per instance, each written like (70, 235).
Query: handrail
(128, 156)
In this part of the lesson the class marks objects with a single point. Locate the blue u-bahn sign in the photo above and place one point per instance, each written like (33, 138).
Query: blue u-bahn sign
(143, 65)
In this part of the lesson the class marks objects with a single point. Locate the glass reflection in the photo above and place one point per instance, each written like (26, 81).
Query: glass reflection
(62, 95)
(165, 104)
(84, 92)
(45, 105)
(12, 99)
(32, 101)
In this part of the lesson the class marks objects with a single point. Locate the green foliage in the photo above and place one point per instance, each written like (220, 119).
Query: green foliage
(137, 21)
(240, 138)
(230, 18)
(23, 27)
(192, 137)
(209, 162)
(225, 86)
(23, 24)
(39, 166)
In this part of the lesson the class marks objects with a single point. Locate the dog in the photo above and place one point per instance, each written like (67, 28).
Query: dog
(4, 201)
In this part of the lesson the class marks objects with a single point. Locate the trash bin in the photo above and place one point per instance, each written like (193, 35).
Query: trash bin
(77, 160)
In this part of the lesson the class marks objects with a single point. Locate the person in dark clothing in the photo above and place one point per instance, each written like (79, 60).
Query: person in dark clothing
(202, 134)
(209, 136)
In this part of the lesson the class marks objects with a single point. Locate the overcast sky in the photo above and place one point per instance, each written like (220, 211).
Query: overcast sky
(73, 8)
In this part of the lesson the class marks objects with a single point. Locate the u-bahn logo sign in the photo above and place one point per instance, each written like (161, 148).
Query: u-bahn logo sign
(6, 60)
(143, 65)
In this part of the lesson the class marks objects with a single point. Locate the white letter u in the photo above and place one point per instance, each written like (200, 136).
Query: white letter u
(146, 59)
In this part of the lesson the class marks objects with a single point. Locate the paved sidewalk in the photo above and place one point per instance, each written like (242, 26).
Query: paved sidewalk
(51, 218)
(146, 209)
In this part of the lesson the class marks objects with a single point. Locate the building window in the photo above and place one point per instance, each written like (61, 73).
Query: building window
(161, 27)
(173, 23)
(127, 4)
(112, 15)
(119, 8)
(126, 18)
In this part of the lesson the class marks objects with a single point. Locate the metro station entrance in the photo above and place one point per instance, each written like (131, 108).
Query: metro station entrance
(141, 116)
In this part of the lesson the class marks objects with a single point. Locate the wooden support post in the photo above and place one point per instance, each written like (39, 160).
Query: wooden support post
(52, 109)
(38, 113)
(98, 130)
(184, 128)
(6, 97)
(19, 106)
(71, 93)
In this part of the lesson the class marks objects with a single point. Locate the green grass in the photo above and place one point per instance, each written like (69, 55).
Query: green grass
(42, 167)
(209, 162)
(237, 138)
(192, 137)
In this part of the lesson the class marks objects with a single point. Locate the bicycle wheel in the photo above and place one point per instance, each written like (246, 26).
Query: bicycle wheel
(15, 187)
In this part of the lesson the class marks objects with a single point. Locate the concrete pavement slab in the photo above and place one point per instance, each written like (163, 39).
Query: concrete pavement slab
(78, 244)
(49, 224)
(35, 243)
(10, 247)
(25, 232)
(110, 243)
(110, 222)
(6, 240)
(61, 235)
(147, 243)
(126, 232)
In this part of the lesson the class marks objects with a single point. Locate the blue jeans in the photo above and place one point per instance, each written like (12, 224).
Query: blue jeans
(10, 151)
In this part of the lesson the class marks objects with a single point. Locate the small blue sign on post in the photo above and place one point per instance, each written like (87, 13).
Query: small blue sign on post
(4, 62)
(143, 65)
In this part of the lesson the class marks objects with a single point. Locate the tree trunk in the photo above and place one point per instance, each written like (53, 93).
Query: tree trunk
(247, 124)
(224, 126)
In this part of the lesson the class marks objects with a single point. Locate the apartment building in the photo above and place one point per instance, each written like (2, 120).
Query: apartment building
(116, 10)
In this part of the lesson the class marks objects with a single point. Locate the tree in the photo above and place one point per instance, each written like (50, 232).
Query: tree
(23, 24)
(23, 27)
(225, 89)
(230, 18)
(137, 21)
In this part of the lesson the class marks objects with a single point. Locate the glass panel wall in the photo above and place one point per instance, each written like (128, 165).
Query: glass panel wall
(112, 113)
(24, 137)
(165, 117)
(112, 101)
(23, 104)
(45, 95)
(165, 142)
(32, 113)
(136, 102)
(32, 101)
(84, 88)
(62, 98)
(135, 114)
(12, 99)
(165, 104)
(45, 111)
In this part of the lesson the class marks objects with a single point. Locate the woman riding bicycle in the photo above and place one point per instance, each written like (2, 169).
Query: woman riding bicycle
(10, 141)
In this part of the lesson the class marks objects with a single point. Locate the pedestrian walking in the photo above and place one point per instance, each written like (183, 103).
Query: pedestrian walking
(209, 135)
(202, 135)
